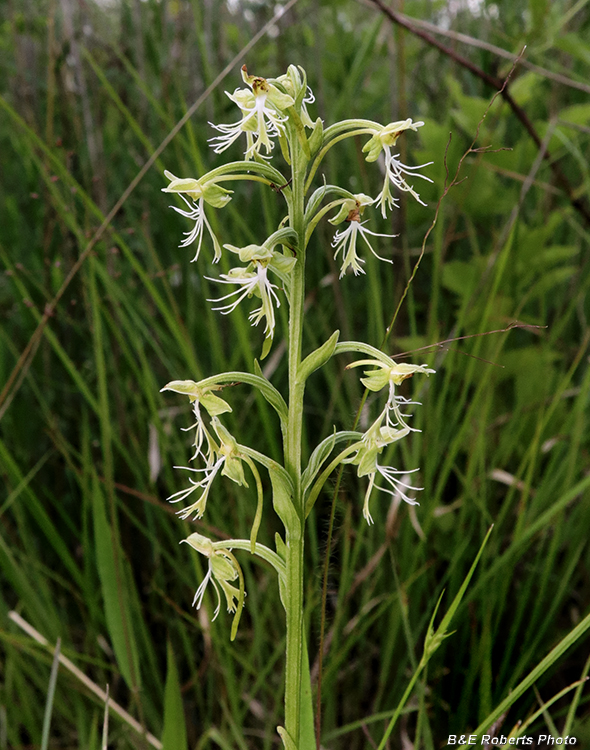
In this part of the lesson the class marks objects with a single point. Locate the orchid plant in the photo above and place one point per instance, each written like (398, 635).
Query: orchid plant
(273, 272)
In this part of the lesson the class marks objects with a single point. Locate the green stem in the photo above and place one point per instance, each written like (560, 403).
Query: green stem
(294, 535)
(263, 552)
(319, 158)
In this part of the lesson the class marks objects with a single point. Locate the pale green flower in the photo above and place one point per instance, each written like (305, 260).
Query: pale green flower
(222, 455)
(391, 375)
(395, 172)
(223, 569)
(198, 395)
(199, 194)
(209, 473)
(368, 449)
(262, 110)
(389, 427)
(253, 281)
(345, 241)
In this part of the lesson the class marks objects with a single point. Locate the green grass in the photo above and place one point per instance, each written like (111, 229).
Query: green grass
(89, 548)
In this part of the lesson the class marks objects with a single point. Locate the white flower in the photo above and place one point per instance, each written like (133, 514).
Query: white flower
(254, 282)
(389, 427)
(395, 172)
(262, 117)
(391, 374)
(396, 375)
(199, 193)
(222, 570)
(200, 395)
(224, 456)
(368, 449)
(346, 241)
(351, 211)
(196, 213)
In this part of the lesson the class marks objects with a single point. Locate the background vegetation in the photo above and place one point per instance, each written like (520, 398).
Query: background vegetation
(88, 545)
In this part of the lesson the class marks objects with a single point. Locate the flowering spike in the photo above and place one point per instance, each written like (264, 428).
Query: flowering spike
(271, 109)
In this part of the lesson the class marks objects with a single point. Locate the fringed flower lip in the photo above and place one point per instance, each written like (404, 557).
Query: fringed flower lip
(223, 454)
(196, 213)
(199, 192)
(389, 427)
(200, 395)
(262, 106)
(396, 172)
(252, 280)
(345, 240)
(250, 283)
(204, 484)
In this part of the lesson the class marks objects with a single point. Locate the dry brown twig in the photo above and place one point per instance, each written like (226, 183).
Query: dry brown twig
(501, 87)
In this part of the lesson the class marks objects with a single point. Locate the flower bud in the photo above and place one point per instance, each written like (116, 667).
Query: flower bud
(316, 138)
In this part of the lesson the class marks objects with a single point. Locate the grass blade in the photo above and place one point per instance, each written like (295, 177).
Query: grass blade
(50, 696)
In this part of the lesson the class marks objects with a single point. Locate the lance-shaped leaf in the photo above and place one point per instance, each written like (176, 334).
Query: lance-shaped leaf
(317, 358)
